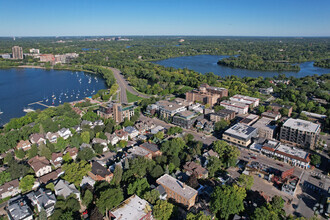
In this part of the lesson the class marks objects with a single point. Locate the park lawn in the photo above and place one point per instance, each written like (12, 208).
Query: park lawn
(131, 97)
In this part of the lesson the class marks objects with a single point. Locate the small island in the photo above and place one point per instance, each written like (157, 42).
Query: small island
(322, 63)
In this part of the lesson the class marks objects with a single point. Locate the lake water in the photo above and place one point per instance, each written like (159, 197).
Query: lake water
(19, 87)
(208, 63)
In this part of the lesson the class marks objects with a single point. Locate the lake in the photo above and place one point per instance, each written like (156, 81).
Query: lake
(208, 63)
(19, 87)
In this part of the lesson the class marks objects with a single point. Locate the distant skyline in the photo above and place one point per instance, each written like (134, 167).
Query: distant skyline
(171, 17)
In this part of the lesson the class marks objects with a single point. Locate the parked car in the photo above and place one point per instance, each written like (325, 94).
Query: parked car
(254, 157)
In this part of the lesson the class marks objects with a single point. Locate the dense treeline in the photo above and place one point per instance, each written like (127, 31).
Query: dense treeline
(323, 63)
(255, 62)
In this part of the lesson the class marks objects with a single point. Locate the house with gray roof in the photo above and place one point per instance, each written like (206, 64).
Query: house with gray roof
(43, 199)
(18, 209)
(65, 189)
(132, 132)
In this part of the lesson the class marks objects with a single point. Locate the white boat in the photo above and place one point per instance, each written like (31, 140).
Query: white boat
(28, 109)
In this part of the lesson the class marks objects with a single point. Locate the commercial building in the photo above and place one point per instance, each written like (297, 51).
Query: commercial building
(168, 109)
(178, 191)
(300, 133)
(265, 129)
(237, 107)
(35, 51)
(17, 52)
(252, 102)
(116, 111)
(47, 58)
(185, 119)
(132, 208)
(206, 94)
(224, 114)
(240, 134)
(250, 119)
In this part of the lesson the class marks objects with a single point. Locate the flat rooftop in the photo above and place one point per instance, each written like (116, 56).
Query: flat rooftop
(240, 130)
(186, 114)
(264, 123)
(131, 209)
(245, 97)
(233, 103)
(302, 125)
(292, 151)
(169, 106)
(177, 186)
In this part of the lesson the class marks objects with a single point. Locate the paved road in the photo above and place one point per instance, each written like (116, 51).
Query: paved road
(123, 85)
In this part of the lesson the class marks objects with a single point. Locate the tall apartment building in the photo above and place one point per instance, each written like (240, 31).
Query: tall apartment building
(178, 191)
(252, 102)
(206, 94)
(238, 107)
(116, 111)
(300, 133)
(17, 52)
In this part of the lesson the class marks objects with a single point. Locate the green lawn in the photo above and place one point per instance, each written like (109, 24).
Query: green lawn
(131, 97)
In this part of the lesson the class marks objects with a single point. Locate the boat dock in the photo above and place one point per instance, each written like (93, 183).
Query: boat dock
(40, 103)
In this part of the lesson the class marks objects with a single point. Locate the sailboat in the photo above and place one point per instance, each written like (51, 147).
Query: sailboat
(1, 112)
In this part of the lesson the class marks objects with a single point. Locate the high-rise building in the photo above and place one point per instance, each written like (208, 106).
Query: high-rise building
(206, 94)
(300, 133)
(17, 52)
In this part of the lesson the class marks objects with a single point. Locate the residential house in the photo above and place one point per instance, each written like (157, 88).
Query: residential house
(157, 129)
(100, 173)
(151, 148)
(132, 132)
(51, 176)
(43, 199)
(98, 123)
(72, 151)
(18, 209)
(139, 152)
(65, 189)
(52, 137)
(86, 123)
(37, 139)
(266, 91)
(113, 139)
(40, 165)
(277, 107)
(24, 145)
(57, 159)
(84, 145)
(178, 191)
(9, 189)
(65, 133)
(141, 127)
(274, 115)
(194, 168)
(87, 180)
(122, 135)
(133, 208)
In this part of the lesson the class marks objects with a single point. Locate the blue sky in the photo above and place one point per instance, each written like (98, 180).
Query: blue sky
(171, 17)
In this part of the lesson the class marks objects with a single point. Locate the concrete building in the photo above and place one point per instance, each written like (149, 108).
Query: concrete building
(240, 134)
(207, 94)
(35, 51)
(265, 129)
(238, 107)
(300, 133)
(132, 208)
(252, 102)
(178, 191)
(249, 119)
(272, 115)
(47, 58)
(185, 119)
(17, 52)
(168, 109)
(224, 114)
(116, 111)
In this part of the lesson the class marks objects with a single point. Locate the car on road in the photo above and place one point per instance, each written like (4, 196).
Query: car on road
(246, 157)
(279, 164)
(254, 157)
(317, 177)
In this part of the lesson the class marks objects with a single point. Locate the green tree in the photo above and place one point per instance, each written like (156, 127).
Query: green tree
(45, 152)
(218, 108)
(74, 172)
(67, 158)
(88, 198)
(227, 200)
(174, 130)
(20, 154)
(122, 144)
(152, 196)
(109, 198)
(220, 125)
(85, 136)
(117, 175)
(138, 187)
(162, 210)
(4, 177)
(50, 186)
(26, 183)
(214, 166)
(199, 216)
(245, 181)
(157, 171)
(85, 154)
(315, 159)
(42, 214)
(33, 151)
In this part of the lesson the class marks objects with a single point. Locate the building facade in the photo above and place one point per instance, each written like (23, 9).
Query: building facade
(207, 94)
(238, 107)
(17, 52)
(240, 134)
